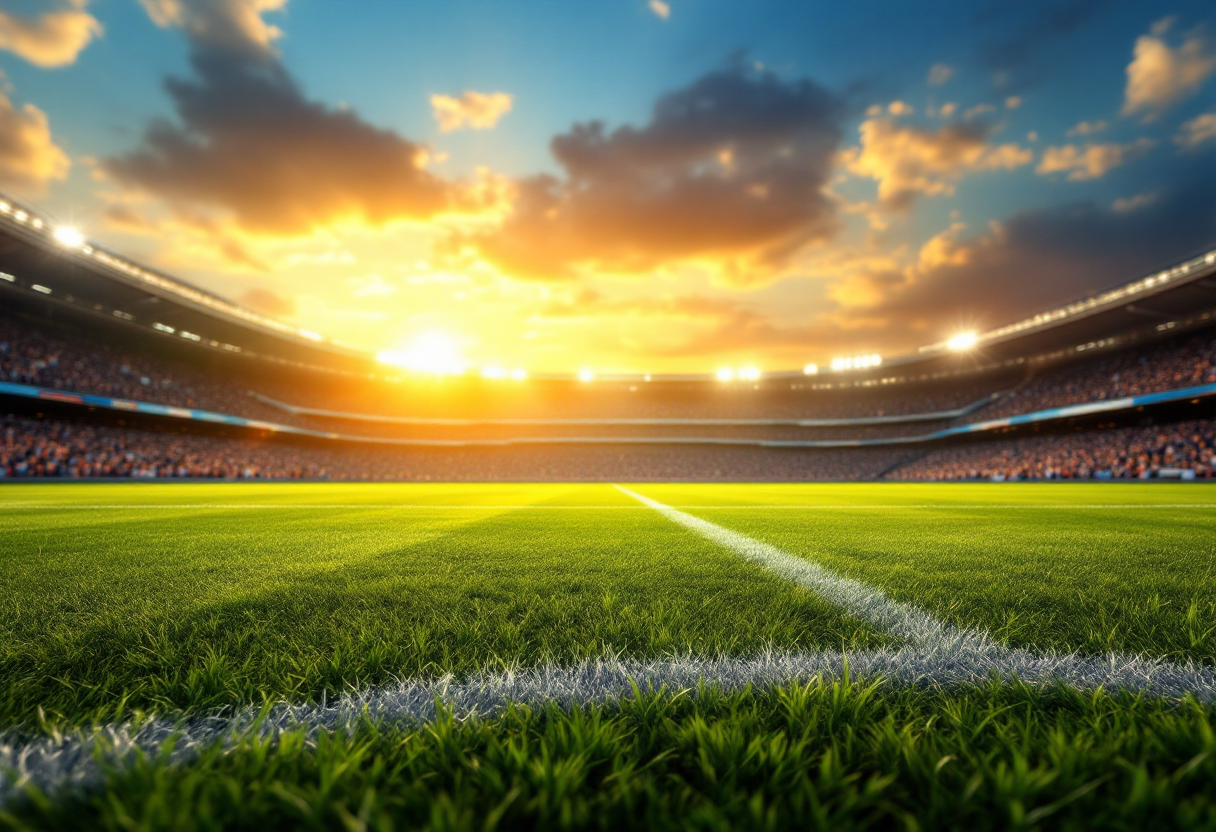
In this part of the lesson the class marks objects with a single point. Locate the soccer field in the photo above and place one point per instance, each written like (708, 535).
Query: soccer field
(570, 656)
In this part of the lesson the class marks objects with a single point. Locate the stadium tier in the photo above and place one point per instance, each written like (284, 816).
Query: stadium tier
(108, 369)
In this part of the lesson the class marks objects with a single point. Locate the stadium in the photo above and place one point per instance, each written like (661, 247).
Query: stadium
(688, 415)
(101, 353)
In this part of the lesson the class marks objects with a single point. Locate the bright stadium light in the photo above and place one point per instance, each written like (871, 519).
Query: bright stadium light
(810, 370)
(585, 375)
(726, 374)
(749, 373)
(65, 235)
(856, 362)
(963, 341)
(519, 374)
(430, 352)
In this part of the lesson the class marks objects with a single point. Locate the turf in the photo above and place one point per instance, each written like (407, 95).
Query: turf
(106, 611)
(839, 756)
(185, 599)
(1088, 568)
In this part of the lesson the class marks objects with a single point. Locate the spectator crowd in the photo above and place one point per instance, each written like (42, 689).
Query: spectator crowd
(41, 357)
(1119, 454)
(55, 449)
(1173, 365)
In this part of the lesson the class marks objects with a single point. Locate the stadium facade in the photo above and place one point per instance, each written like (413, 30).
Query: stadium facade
(110, 368)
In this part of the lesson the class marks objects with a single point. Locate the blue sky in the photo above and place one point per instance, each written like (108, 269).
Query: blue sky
(772, 183)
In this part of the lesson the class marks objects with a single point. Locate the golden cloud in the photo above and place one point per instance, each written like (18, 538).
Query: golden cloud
(729, 173)
(907, 160)
(1199, 130)
(29, 157)
(219, 24)
(475, 110)
(1087, 128)
(53, 38)
(1159, 76)
(660, 8)
(251, 145)
(1091, 162)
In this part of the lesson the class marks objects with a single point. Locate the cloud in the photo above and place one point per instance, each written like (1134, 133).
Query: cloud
(1087, 128)
(729, 172)
(269, 303)
(660, 8)
(29, 157)
(1092, 161)
(250, 145)
(940, 74)
(1013, 102)
(476, 110)
(1042, 257)
(225, 25)
(53, 38)
(1199, 130)
(1125, 205)
(907, 160)
(1160, 76)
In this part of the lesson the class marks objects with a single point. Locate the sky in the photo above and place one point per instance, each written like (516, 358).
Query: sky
(622, 185)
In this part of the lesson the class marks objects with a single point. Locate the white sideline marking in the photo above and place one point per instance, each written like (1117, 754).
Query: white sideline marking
(74, 758)
(781, 506)
(936, 653)
(864, 602)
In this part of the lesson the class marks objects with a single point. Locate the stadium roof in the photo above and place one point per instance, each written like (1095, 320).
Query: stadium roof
(38, 255)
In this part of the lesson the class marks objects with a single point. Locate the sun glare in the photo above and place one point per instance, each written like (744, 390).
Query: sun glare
(429, 352)
(963, 341)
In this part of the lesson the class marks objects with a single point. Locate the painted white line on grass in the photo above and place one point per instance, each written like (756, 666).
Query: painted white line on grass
(74, 758)
(865, 602)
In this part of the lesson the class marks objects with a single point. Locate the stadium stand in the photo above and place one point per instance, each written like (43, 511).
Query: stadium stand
(102, 374)
(1186, 450)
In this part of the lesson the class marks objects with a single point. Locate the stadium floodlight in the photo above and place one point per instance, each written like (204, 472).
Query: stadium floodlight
(519, 374)
(585, 375)
(65, 235)
(430, 352)
(749, 373)
(857, 362)
(810, 370)
(963, 341)
(726, 374)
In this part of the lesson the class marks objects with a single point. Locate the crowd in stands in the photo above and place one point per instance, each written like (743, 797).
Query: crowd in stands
(1178, 363)
(42, 358)
(37, 448)
(1122, 453)
(56, 449)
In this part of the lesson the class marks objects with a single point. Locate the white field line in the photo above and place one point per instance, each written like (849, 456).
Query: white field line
(936, 654)
(872, 605)
(525, 506)
(75, 758)
(865, 602)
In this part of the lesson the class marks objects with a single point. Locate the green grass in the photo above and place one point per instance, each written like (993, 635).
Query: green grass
(1037, 569)
(107, 610)
(182, 599)
(822, 756)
